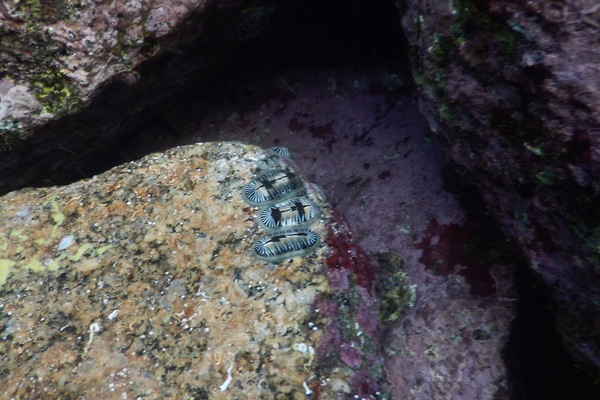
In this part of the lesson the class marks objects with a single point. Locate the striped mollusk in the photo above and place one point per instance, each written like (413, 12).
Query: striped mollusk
(285, 244)
(282, 151)
(272, 186)
(293, 213)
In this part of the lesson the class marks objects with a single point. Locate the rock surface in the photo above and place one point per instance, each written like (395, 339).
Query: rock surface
(359, 135)
(141, 282)
(448, 311)
(60, 57)
(512, 91)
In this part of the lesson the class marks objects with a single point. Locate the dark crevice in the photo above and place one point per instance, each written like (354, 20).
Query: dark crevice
(126, 120)
(538, 365)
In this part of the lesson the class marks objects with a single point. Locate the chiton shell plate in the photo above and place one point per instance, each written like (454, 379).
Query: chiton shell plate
(293, 213)
(273, 186)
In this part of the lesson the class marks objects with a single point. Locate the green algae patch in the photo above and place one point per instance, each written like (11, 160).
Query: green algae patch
(396, 294)
(5, 268)
(101, 250)
(52, 88)
(47, 12)
(38, 67)
(84, 259)
(9, 132)
(81, 251)
(57, 216)
(56, 94)
(42, 242)
(34, 265)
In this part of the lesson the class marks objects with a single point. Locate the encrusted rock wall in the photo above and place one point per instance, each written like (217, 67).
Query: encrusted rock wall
(512, 90)
(60, 57)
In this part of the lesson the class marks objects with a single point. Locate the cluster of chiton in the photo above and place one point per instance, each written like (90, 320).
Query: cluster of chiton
(285, 211)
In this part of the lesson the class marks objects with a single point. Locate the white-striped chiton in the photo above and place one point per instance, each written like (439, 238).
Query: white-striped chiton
(285, 244)
(272, 186)
(292, 213)
(274, 161)
(282, 151)
(277, 158)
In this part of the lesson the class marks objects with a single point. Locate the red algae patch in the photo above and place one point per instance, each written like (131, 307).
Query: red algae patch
(351, 340)
(452, 249)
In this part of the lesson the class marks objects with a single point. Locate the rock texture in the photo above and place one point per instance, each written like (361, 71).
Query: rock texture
(512, 90)
(140, 282)
(59, 57)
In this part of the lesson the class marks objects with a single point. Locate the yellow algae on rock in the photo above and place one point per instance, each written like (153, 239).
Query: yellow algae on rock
(5, 267)
(141, 282)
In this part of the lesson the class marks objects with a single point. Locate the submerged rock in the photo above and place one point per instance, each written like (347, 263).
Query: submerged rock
(70, 67)
(142, 282)
(512, 91)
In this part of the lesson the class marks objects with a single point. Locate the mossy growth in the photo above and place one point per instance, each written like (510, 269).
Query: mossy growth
(474, 34)
(37, 12)
(476, 31)
(348, 305)
(9, 133)
(55, 93)
(395, 293)
(474, 17)
(37, 66)
(546, 177)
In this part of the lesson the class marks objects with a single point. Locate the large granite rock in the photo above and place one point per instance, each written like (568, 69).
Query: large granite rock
(446, 287)
(76, 74)
(512, 91)
(141, 282)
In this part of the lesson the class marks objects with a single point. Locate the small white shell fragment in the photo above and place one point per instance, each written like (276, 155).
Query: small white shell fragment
(225, 384)
(113, 315)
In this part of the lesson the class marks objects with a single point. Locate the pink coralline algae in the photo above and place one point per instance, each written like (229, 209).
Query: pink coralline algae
(351, 340)
(351, 355)
(329, 344)
(339, 278)
(366, 317)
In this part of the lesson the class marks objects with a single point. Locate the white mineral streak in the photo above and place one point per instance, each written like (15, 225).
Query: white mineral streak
(225, 384)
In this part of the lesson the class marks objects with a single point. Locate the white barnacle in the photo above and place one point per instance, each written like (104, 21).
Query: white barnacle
(113, 315)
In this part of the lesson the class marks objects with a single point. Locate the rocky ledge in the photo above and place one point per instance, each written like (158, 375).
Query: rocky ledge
(143, 282)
